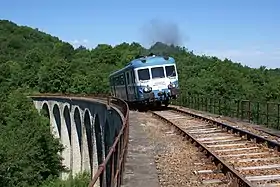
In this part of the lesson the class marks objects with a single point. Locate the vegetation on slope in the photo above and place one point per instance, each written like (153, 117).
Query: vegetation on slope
(81, 180)
(33, 61)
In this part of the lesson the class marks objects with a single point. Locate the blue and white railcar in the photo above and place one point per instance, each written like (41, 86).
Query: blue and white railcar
(150, 79)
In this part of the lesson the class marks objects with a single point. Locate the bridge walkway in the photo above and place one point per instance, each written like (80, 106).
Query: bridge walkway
(140, 168)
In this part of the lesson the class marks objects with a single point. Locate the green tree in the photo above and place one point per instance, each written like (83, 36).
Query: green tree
(28, 153)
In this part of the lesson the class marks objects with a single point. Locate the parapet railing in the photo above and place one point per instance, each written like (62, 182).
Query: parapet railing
(262, 113)
(115, 159)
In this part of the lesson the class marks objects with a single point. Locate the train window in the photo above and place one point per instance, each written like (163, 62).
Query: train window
(158, 72)
(143, 74)
(170, 71)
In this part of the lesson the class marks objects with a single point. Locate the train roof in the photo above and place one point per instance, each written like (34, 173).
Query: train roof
(146, 61)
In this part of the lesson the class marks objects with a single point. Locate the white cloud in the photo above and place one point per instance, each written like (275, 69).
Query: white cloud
(76, 43)
(85, 41)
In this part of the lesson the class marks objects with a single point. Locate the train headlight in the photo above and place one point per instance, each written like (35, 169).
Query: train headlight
(171, 85)
(147, 89)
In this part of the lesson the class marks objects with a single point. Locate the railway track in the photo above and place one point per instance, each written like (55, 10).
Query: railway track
(244, 158)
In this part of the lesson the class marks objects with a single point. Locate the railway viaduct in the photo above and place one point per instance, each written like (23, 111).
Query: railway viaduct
(87, 129)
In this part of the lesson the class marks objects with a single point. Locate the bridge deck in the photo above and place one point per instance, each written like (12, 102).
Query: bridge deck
(140, 169)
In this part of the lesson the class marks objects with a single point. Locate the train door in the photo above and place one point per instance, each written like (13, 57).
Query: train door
(123, 90)
(128, 81)
(114, 86)
(134, 87)
(117, 83)
(111, 86)
(126, 85)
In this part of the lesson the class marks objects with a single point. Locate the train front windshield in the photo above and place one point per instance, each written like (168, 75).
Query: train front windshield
(157, 72)
(144, 74)
(170, 71)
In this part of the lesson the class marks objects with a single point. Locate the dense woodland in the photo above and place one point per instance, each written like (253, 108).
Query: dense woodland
(32, 61)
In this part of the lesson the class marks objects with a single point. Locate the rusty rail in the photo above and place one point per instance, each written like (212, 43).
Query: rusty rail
(223, 166)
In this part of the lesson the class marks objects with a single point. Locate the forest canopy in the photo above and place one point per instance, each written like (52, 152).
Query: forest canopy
(32, 61)
(37, 61)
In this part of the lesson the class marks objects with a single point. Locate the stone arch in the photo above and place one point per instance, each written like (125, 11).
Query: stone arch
(87, 142)
(76, 140)
(119, 121)
(107, 145)
(66, 140)
(67, 119)
(116, 151)
(45, 111)
(57, 119)
(78, 125)
(98, 139)
(99, 145)
(107, 137)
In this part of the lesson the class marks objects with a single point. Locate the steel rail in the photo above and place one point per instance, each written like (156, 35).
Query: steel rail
(242, 133)
(229, 171)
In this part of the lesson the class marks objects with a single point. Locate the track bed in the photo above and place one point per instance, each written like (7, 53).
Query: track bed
(252, 163)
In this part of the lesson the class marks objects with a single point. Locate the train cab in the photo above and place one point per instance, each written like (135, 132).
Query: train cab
(157, 80)
(147, 80)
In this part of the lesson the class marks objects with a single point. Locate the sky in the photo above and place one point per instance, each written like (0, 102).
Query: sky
(244, 31)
